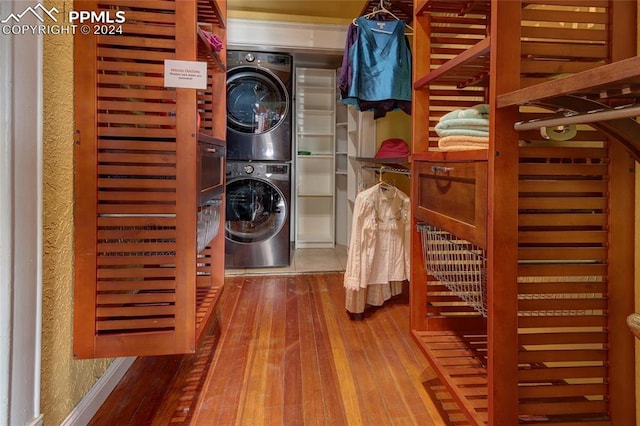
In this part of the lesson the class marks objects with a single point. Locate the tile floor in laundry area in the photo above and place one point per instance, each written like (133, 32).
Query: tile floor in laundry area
(303, 261)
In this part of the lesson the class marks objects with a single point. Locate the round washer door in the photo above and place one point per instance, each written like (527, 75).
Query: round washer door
(257, 101)
(256, 211)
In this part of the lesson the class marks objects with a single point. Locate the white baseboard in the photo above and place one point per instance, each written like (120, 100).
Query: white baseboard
(36, 422)
(93, 400)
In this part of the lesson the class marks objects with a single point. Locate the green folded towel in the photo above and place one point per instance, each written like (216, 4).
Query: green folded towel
(477, 111)
(467, 131)
(462, 123)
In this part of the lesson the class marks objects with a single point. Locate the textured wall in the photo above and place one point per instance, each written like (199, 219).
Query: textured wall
(64, 381)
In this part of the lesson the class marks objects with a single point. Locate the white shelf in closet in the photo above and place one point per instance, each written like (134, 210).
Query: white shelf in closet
(342, 158)
(315, 137)
(361, 142)
(355, 137)
(343, 222)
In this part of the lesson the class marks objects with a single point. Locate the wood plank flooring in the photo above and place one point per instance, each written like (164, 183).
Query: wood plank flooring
(283, 351)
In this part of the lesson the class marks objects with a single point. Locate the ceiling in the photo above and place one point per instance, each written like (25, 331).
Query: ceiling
(321, 11)
(316, 8)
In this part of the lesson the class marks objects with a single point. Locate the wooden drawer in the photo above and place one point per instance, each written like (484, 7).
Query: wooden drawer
(452, 195)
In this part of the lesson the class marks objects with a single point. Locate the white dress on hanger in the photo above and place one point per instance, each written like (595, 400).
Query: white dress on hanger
(378, 258)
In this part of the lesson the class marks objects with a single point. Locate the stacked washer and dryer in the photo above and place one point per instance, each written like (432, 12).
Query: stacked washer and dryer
(259, 145)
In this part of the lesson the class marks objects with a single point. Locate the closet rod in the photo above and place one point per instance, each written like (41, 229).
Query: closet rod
(582, 118)
(385, 169)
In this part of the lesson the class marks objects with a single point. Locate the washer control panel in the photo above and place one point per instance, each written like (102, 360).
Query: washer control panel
(273, 171)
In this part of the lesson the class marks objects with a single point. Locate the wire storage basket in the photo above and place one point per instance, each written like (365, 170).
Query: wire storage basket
(208, 223)
(457, 264)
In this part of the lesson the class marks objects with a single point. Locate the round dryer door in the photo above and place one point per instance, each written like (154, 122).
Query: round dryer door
(257, 101)
(256, 211)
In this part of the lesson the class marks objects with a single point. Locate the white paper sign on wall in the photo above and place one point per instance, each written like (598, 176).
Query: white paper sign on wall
(185, 74)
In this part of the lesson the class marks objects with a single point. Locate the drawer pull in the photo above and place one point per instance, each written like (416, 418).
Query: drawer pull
(212, 150)
(441, 169)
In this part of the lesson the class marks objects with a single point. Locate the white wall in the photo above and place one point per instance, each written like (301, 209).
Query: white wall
(20, 223)
(289, 37)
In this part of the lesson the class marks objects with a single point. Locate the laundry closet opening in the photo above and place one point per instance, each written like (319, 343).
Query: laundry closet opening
(285, 111)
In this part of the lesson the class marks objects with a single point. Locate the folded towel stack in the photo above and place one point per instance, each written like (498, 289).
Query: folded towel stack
(472, 121)
(464, 129)
(463, 143)
(476, 111)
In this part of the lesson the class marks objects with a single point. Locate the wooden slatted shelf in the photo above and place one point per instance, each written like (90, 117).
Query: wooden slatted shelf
(210, 53)
(458, 7)
(543, 56)
(603, 97)
(206, 299)
(621, 77)
(209, 11)
(470, 68)
(459, 362)
(471, 155)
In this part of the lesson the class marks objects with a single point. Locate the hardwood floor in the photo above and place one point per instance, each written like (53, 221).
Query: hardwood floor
(283, 351)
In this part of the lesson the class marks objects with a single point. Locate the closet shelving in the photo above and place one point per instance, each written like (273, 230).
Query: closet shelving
(212, 12)
(315, 157)
(467, 69)
(209, 52)
(361, 140)
(380, 166)
(386, 169)
(342, 213)
(384, 160)
(142, 287)
(552, 219)
(342, 153)
(359, 131)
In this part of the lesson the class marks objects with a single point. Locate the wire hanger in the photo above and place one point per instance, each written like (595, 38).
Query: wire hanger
(382, 184)
(381, 9)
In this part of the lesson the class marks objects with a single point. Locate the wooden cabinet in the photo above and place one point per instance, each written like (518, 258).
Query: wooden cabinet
(452, 194)
(551, 345)
(141, 285)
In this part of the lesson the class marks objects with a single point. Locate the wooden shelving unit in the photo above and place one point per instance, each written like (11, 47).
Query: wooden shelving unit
(209, 52)
(141, 286)
(617, 80)
(470, 68)
(554, 347)
(213, 12)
